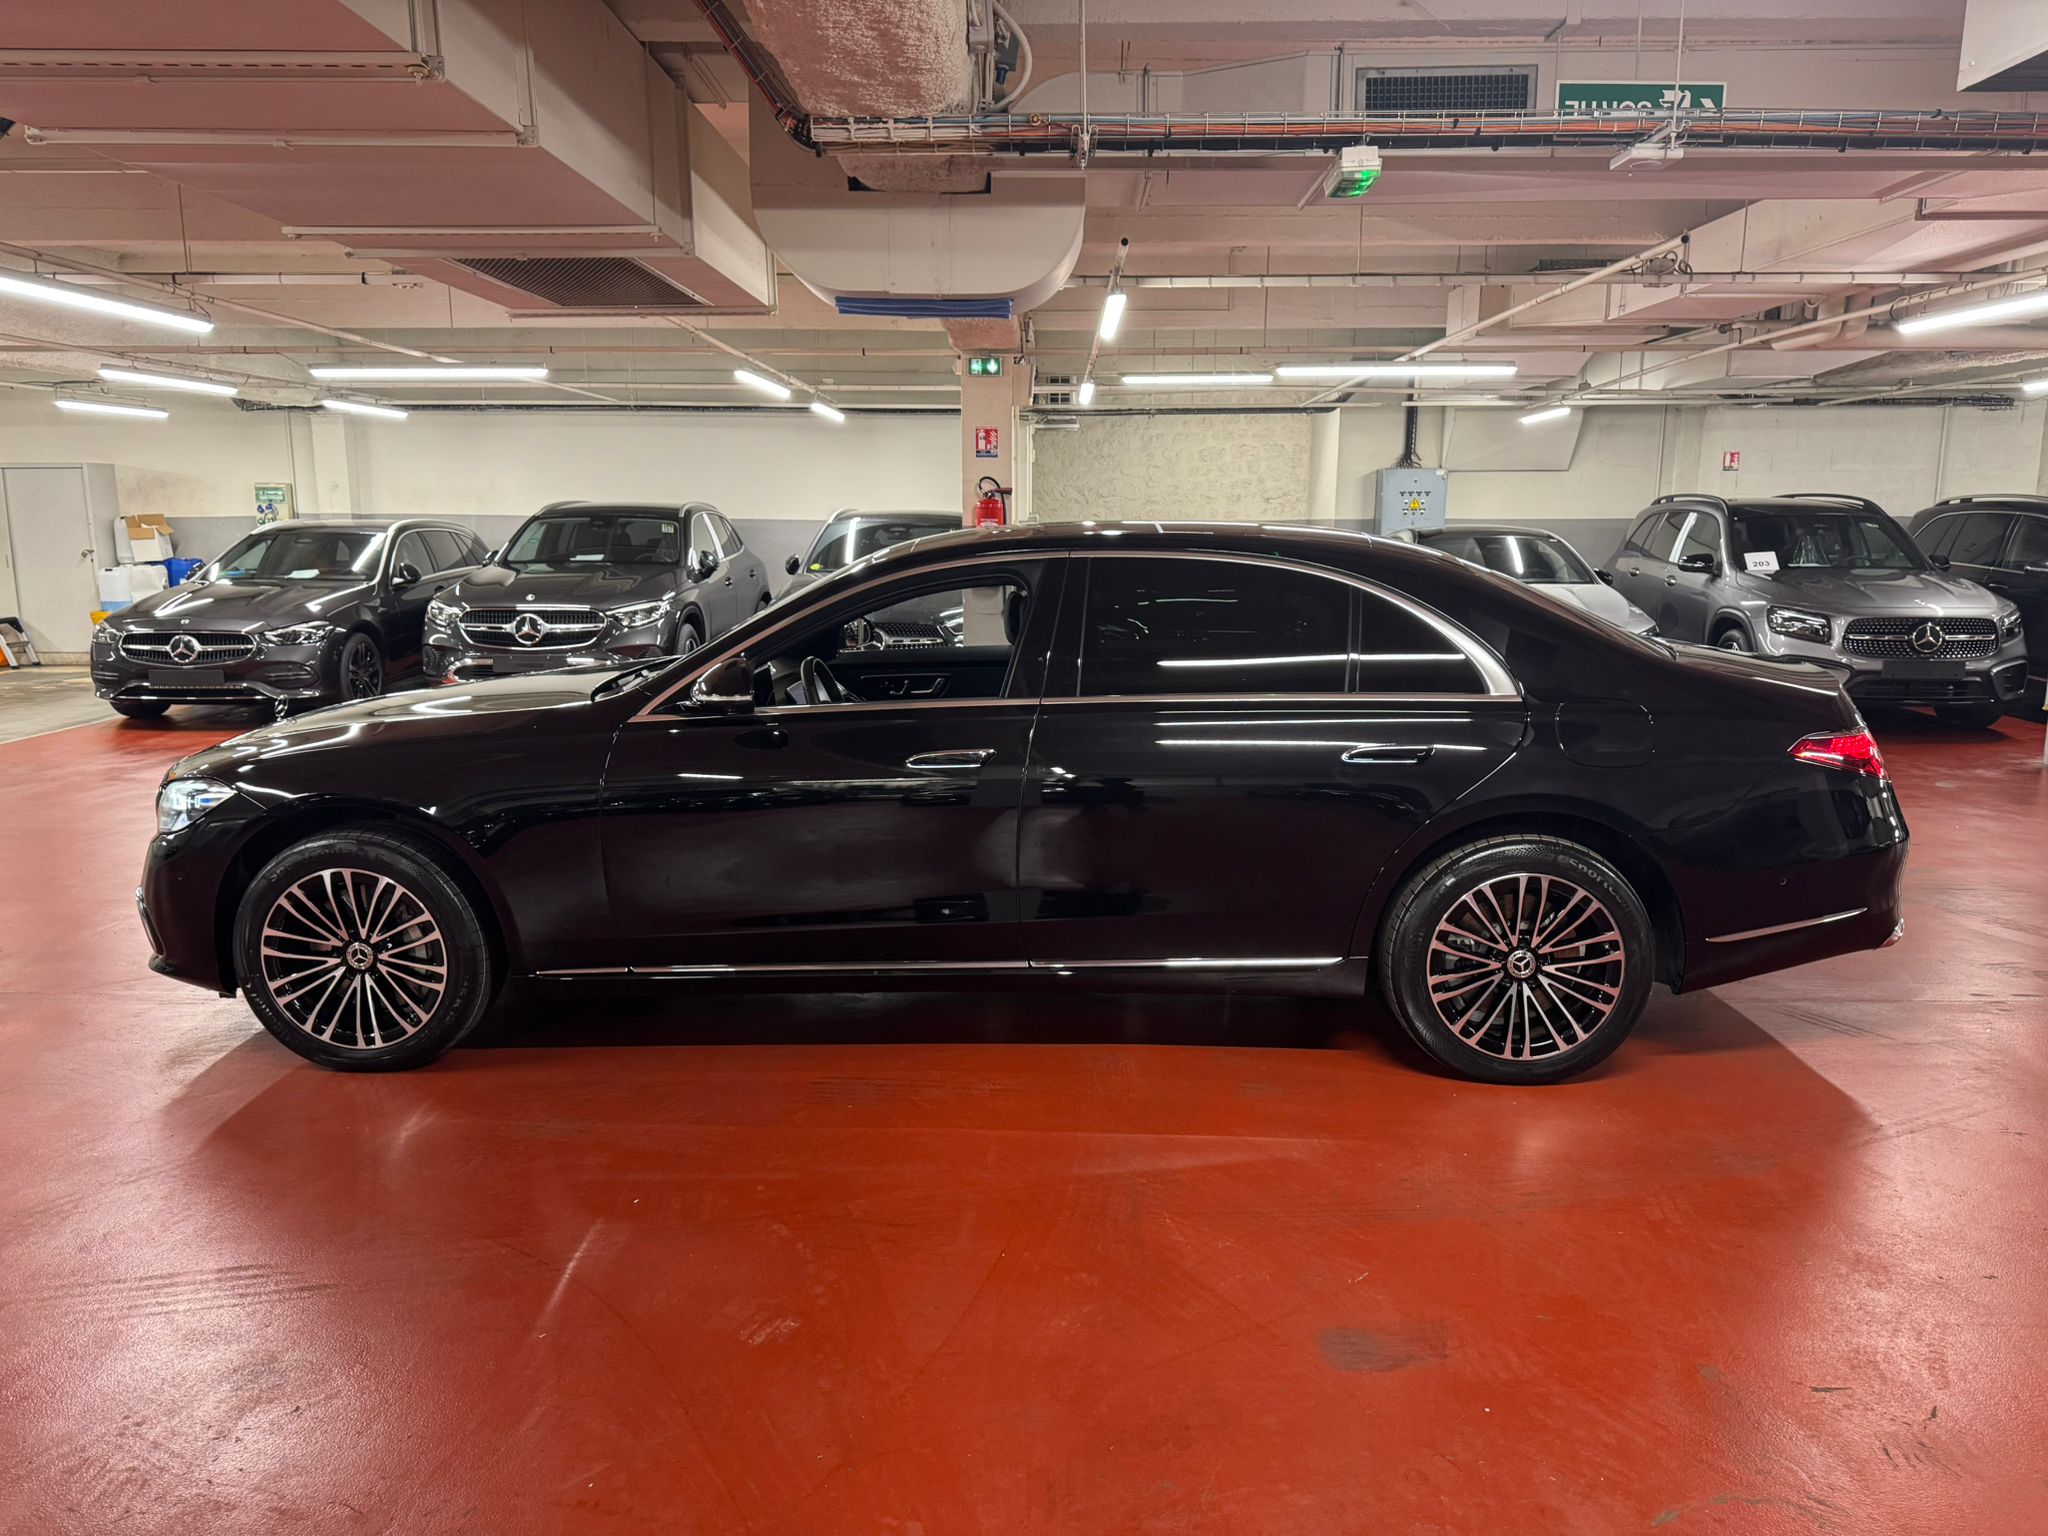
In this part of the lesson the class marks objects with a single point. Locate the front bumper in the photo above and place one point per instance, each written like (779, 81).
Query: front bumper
(178, 901)
(449, 657)
(274, 674)
(1999, 678)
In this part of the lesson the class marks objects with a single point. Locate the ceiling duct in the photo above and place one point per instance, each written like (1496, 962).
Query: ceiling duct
(2005, 46)
(532, 154)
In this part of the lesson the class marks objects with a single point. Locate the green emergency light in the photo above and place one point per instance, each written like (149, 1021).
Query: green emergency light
(984, 367)
(1356, 170)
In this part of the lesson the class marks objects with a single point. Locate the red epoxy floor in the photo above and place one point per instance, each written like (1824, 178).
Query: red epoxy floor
(1203, 1265)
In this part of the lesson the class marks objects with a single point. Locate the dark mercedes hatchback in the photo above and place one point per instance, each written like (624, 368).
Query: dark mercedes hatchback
(1149, 754)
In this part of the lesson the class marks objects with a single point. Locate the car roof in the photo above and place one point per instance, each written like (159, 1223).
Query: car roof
(1490, 528)
(922, 512)
(675, 507)
(1994, 503)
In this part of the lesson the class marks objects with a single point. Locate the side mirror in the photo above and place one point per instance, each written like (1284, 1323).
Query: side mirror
(727, 688)
(404, 574)
(793, 564)
(1939, 562)
(1700, 565)
(702, 564)
(1606, 576)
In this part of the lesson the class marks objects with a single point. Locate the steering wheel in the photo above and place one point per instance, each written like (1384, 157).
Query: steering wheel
(821, 687)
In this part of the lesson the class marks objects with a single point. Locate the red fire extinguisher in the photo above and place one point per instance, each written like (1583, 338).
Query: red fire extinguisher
(993, 510)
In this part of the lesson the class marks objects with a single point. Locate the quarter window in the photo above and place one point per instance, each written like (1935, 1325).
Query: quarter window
(1398, 652)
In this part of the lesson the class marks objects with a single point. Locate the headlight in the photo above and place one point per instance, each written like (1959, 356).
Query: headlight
(104, 633)
(1800, 624)
(1639, 622)
(183, 801)
(443, 613)
(639, 615)
(2009, 624)
(313, 633)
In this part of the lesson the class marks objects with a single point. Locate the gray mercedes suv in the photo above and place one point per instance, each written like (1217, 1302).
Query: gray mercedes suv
(1826, 579)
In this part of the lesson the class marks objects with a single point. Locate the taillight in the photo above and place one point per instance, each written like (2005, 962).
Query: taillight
(1850, 751)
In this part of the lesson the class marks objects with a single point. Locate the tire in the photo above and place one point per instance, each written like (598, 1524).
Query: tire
(766, 599)
(688, 637)
(340, 984)
(138, 709)
(1734, 638)
(1970, 717)
(359, 671)
(1469, 1024)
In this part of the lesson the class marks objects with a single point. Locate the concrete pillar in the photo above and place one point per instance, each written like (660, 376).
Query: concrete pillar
(989, 406)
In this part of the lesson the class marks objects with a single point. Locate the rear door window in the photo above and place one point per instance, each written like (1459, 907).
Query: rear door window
(1170, 626)
(1702, 537)
(2029, 547)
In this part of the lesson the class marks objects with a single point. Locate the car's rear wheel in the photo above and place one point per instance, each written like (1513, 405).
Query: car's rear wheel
(138, 709)
(1519, 959)
(359, 949)
(1970, 717)
(361, 669)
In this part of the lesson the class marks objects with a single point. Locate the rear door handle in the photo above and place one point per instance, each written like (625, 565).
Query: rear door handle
(958, 757)
(1670, 581)
(1365, 756)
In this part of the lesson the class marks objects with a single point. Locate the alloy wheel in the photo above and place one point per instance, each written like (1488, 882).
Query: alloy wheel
(1525, 966)
(353, 958)
(362, 669)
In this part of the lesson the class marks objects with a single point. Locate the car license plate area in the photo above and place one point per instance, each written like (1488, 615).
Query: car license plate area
(1914, 670)
(186, 677)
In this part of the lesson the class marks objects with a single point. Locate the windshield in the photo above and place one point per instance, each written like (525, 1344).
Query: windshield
(1536, 558)
(858, 537)
(1823, 541)
(575, 540)
(300, 554)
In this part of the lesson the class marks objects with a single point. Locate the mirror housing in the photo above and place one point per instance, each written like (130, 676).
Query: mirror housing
(1700, 565)
(1606, 576)
(404, 574)
(793, 564)
(1939, 562)
(728, 688)
(702, 564)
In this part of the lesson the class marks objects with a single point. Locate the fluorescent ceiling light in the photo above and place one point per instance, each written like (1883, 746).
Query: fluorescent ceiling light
(110, 408)
(766, 386)
(1548, 413)
(1112, 314)
(1193, 380)
(1085, 395)
(1395, 370)
(166, 381)
(2036, 386)
(2024, 306)
(424, 375)
(362, 408)
(831, 413)
(72, 297)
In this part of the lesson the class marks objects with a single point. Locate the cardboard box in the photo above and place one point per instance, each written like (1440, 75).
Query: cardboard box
(142, 536)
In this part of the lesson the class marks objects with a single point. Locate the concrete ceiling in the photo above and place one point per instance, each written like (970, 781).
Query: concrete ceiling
(1223, 247)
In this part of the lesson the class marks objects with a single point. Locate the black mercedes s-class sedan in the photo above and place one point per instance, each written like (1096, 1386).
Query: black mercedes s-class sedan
(296, 614)
(583, 582)
(1153, 753)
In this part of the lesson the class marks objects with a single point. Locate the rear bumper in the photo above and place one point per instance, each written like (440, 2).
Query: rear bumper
(1857, 908)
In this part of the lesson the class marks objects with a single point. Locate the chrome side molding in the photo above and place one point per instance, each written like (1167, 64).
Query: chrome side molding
(1809, 922)
(957, 967)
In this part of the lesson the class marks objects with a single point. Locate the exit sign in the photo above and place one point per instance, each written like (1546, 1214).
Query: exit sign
(1590, 98)
(984, 367)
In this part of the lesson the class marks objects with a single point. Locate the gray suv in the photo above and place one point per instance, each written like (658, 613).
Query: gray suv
(1831, 580)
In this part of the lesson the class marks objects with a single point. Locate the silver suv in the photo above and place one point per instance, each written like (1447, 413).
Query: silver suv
(1826, 579)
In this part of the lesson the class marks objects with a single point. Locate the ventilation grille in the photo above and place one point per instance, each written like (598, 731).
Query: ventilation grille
(585, 282)
(1445, 90)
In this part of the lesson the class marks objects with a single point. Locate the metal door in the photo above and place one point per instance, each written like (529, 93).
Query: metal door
(49, 524)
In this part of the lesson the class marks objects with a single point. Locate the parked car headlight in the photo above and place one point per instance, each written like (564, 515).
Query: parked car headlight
(2009, 624)
(183, 801)
(444, 613)
(314, 632)
(640, 615)
(104, 633)
(1639, 622)
(1800, 624)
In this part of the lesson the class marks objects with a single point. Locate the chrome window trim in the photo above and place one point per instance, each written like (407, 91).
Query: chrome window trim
(895, 967)
(1805, 922)
(1500, 684)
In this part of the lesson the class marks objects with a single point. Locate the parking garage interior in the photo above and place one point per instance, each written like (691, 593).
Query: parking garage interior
(516, 357)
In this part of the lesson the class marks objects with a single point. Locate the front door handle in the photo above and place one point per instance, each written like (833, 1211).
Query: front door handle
(1373, 755)
(958, 757)
(1670, 581)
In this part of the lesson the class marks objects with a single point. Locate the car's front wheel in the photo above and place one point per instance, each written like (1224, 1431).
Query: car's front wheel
(1519, 959)
(361, 667)
(359, 949)
(688, 638)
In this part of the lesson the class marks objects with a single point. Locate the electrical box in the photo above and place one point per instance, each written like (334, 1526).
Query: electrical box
(1406, 498)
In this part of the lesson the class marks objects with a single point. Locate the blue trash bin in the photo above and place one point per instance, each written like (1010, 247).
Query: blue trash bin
(179, 567)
